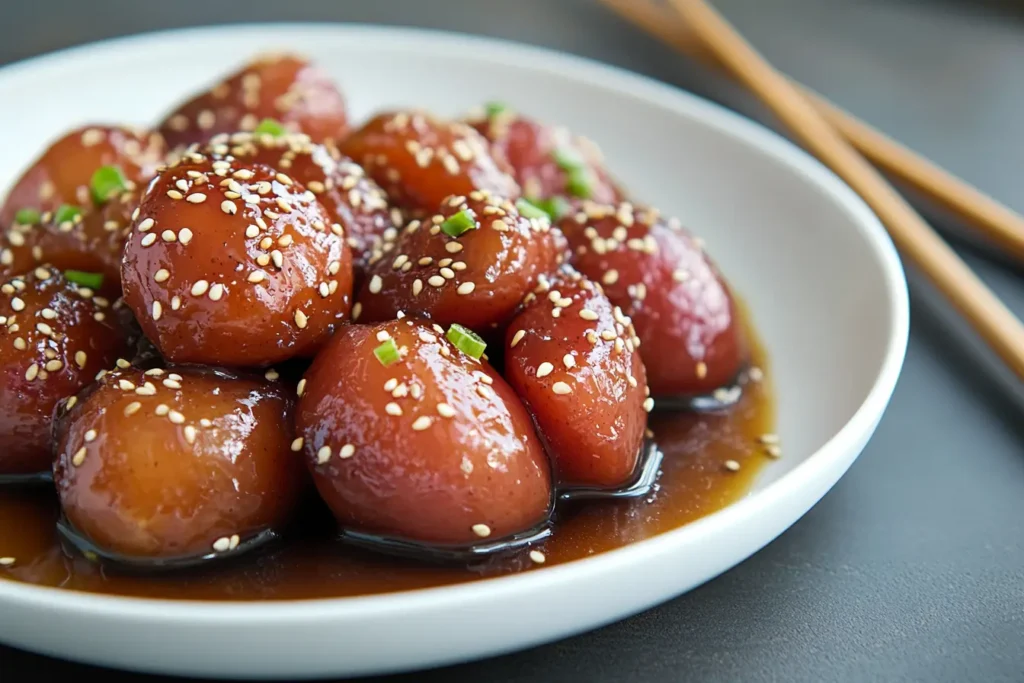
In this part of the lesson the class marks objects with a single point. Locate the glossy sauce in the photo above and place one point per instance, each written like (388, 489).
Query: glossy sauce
(309, 564)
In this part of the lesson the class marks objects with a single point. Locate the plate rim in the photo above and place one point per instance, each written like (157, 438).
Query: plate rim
(578, 68)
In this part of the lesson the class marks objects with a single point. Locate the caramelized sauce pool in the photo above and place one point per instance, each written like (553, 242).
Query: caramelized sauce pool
(309, 564)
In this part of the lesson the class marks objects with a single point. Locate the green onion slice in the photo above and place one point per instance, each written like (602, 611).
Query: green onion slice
(270, 127)
(529, 209)
(27, 217)
(466, 340)
(579, 183)
(567, 159)
(66, 213)
(106, 182)
(557, 207)
(83, 279)
(495, 108)
(387, 353)
(461, 222)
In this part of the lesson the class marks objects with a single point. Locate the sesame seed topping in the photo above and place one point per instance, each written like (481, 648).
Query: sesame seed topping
(323, 455)
(701, 370)
(383, 336)
(174, 194)
(49, 313)
(216, 292)
(184, 235)
(588, 314)
(422, 422)
(162, 275)
(390, 384)
(393, 408)
(482, 530)
(54, 365)
(436, 281)
(20, 344)
(196, 198)
(272, 375)
(453, 247)
(375, 284)
(347, 451)
(229, 207)
(200, 287)
(158, 310)
(125, 385)
(561, 388)
(732, 465)
(190, 434)
(297, 444)
(148, 239)
(300, 319)
(445, 410)
(773, 451)
(755, 374)
(146, 225)
(162, 410)
(176, 417)
(569, 361)
(222, 544)
(79, 457)
(132, 408)
(17, 304)
(648, 404)
(356, 310)
(257, 276)
(537, 557)
(544, 369)
(466, 288)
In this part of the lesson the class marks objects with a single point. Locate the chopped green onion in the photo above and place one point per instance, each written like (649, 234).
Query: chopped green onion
(579, 184)
(106, 182)
(567, 159)
(466, 340)
(495, 108)
(528, 209)
(387, 353)
(66, 213)
(556, 207)
(27, 217)
(270, 127)
(83, 279)
(459, 223)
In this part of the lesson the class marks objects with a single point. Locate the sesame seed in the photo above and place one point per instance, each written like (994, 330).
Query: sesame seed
(263, 260)
(222, 544)
(608, 335)
(71, 403)
(20, 344)
(196, 198)
(544, 369)
(216, 292)
(610, 277)
(357, 308)
(252, 231)
(162, 275)
(453, 247)
(561, 388)
(755, 374)
(79, 457)
(701, 370)
(190, 434)
(445, 410)
(162, 410)
(184, 235)
(284, 240)
(632, 380)
(422, 422)
(132, 408)
(174, 194)
(146, 224)
(347, 451)
(175, 417)
(482, 530)
(147, 389)
(297, 444)
(466, 288)
(272, 375)
(54, 365)
(228, 207)
(17, 304)
(49, 313)
(125, 385)
(383, 336)
(417, 286)
(375, 284)
(768, 439)
(436, 281)
(323, 455)
(588, 314)
(393, 408)
(390, 384)
(300, 319)
(732, 465)
(537, 557)
(257, 276)
(158, 310)
(569, 361)
(773, 451)
(648, 404)
(333, 267)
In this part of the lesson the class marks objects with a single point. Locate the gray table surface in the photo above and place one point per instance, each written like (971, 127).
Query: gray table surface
(912, 568)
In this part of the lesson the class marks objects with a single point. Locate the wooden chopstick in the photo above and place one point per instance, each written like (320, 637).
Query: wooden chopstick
(995, 323)
(1002, 226)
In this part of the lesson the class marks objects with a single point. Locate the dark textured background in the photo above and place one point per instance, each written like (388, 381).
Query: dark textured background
(912, 568)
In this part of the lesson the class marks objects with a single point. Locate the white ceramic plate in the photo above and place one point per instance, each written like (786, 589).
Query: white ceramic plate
(818, 271)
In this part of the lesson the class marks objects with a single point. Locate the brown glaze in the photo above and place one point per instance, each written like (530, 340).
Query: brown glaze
(538, 153)
(286, 88)
(420, 160)
(571, 357)
(695, 482)
(91, 242)
(659, 274)
(235, 264)
(54, 338)
(166, 462)
(63, 173)
(434, 447)
(351, 198)
(476, 279)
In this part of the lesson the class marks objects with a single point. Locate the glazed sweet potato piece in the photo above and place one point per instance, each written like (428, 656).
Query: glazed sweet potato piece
(54, 338)
(680, 304)
(471, 263)
(173, 462)
(283, 87)
(410, 438)
(419, 159)
(64, 173)
(351, 198)
(571, 356)
(548, 162)
(235, 264)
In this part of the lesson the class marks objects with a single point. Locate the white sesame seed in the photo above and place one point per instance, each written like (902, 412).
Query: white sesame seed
(79, 457)
(168, 236)
(146, 225)
(175, 303)
(148, 239)
(162, 275)
(44, 328)
(588, 314)
(422, 422)
(701, 370)
(466, 288)
(200, 287)
(300, 319)
(323, 455)
(610, 277)
(222, 544)
(393, 408)
(125, 385)
(356, 310)
(252, 231)
(196, 198)
(537, 557)
(347, 451)
(184, 235)
(176, 417)
(174, 194)
(229, 207)
(375, 284)
(544, 369)
(49, 313)
(648, 404)
(773, 451)
(482, 530)
(453, 247)
(272, 375)
(383, 336)
(54, 365)
(257, 276)
(732, 465)
(190, 434)
(561, 388)
(301, 387)
(161, 410)
(297, 444)
(447, 273)
(158, 310)
(445, 410)
(435, 281)
(132, 408)
(569, 361)
(216, 292)
(20, 344)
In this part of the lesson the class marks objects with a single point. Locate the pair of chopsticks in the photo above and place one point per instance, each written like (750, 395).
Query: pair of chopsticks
(845, 144)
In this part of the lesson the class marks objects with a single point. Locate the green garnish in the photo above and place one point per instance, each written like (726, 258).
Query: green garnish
(459, 223)
(528, 209)
(83, 279)
(66, 213)
(495, 108)
(557, 207)
(106, 182)
(27, 217)
(579, 184)
(270, 127)
(387, 353)
(567, 159)
(466, 340)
